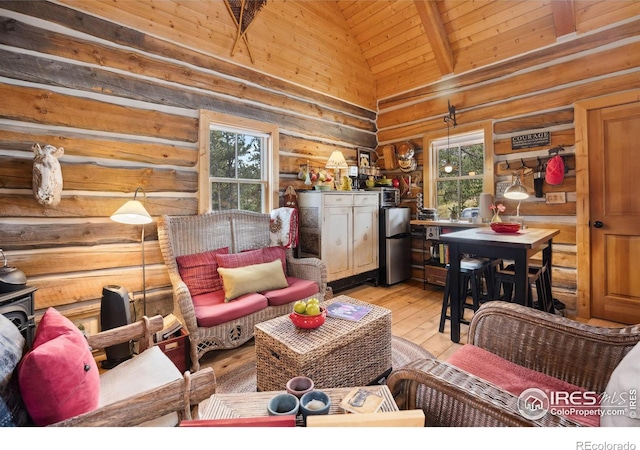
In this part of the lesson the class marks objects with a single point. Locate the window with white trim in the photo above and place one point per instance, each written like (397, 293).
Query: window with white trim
(457, 165)
(240, 168)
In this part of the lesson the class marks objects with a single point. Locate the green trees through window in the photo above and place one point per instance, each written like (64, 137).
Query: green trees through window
(461, 187)
(236, 174)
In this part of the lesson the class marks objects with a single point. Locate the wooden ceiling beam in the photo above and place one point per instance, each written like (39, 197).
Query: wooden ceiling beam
(564, 17)
(437, 34)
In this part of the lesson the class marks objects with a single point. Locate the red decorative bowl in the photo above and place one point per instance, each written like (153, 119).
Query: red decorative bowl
(308, 322)
(505, 227)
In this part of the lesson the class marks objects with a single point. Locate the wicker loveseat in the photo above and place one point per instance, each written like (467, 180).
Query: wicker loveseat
(237, 232)
(583, 355)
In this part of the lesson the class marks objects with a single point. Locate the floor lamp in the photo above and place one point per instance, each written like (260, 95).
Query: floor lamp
(134, 213)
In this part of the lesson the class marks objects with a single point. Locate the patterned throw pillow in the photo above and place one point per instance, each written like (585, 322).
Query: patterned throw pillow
(13, 413)
(200, 271)
(256, 256)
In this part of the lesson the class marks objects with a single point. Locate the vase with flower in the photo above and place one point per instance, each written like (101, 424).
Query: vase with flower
(497, 209)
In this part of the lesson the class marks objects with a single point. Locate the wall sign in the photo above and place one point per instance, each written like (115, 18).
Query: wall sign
(530, 140)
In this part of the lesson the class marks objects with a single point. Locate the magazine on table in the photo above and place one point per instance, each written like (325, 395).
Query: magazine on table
(362, 400)
(347, 311)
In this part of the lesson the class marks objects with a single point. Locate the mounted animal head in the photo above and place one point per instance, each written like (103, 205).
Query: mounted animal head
(47, 174)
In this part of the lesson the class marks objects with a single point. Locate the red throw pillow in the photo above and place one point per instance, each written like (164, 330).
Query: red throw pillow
(246, 258)
(255, 256)
(272, 253)
(200, 271)
(59, 377)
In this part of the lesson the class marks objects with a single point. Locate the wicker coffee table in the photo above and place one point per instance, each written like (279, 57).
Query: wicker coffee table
(254, 404)
(340, 353)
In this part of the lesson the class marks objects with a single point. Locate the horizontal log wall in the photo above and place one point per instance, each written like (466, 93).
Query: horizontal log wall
(125, 104)
(528, 94)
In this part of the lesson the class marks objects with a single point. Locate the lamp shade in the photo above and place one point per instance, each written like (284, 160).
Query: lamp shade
(132, 213)
(516, 191)
(337, 161)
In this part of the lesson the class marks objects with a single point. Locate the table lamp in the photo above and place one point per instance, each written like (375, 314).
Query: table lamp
(134, 213)
(516, 192)
(337, 161)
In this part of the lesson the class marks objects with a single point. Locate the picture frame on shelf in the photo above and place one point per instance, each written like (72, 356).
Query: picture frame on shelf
(364, 158)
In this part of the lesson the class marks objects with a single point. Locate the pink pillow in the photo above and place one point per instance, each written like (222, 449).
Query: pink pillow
(272, 253)
(246, 258)
(256, 256)
(200, 271)
(59, 377)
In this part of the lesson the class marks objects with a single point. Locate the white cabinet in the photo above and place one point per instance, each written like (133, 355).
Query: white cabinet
(341, 228)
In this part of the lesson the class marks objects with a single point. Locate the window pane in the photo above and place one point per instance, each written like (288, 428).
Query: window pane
(251, 197)
(224, 196)
(447, 197)
(451, 156)
(472, 159)
(470, 191)
(249, 157)
(222, 154)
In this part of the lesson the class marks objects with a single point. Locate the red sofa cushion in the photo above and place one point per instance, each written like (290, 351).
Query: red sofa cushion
(256, 256)
(59, 377)
(297, 290)
(515, 379)
(212, 310)
(199, 271)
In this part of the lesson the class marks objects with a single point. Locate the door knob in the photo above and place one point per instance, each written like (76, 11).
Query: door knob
(598, 224)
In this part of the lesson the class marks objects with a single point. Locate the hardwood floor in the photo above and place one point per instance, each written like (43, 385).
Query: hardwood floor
(415, 316)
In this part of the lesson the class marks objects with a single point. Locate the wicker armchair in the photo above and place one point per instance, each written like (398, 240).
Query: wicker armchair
(182, 395)
(238, 230)
(577, 353)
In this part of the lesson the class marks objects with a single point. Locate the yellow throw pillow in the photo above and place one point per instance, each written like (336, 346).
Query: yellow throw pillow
(255, 278)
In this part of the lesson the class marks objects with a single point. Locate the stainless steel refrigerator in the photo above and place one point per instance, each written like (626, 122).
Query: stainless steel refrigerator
(395, 245)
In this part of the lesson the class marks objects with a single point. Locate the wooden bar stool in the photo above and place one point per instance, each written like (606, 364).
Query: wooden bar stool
(538, 276)
(472, 274)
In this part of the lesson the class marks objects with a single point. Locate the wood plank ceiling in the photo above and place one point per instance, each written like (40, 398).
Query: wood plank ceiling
(410, 44)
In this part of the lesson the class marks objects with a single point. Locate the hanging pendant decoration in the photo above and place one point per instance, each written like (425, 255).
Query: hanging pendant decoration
(243, 12)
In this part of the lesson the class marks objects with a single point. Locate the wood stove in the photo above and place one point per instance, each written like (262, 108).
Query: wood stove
(18, 306)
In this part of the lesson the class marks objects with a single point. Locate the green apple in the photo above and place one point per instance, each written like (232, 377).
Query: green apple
(300, 307)
(313, 300)
(312, 309)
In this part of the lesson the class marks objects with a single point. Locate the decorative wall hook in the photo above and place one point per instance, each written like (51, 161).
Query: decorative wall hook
(555, 150)
(451, 116)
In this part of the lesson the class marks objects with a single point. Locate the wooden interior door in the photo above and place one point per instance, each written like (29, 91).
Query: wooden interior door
(614, 205)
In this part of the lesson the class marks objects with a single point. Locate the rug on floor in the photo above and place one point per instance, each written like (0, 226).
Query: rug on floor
(243, 379)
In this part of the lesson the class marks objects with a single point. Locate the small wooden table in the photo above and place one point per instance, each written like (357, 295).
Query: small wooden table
(338, 354)
(254, 404)
(484, 242)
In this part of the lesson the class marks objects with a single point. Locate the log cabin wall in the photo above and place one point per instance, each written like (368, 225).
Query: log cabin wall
(531, 93)
(122, 93)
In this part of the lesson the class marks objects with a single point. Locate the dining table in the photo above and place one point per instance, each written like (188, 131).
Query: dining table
(483, 242)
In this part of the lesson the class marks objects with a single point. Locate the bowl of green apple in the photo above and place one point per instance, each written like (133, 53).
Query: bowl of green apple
(308, 314)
